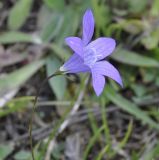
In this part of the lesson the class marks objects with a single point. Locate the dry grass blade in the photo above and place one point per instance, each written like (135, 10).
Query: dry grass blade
(65, 124)
(72, 147)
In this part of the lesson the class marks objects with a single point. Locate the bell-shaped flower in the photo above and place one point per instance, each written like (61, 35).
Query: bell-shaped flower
(88, 56)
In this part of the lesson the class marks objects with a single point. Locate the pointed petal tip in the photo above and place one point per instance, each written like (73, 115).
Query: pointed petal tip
(75, 43)
(72, 39)
(98, 93)
(88, 26)
(74, 65)
(119, 81)
(89, 10)
(121, 84)
(112, 41)
(98, 83)
(67, 40)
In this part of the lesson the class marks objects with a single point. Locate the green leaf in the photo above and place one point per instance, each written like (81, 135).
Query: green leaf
(155, 8)
(151, 40)
(52, 28)
(43, 16)
(5, 150)
(55, 4)
(19, 77)
(14, 37)
(61, 52)
(22, 155)
(129, 107)
(149, 75)
(58, 84)
(132, 26)
(137, 6)
(102, 15)
(57, 27)
(70, 28)
(139, 89)
(19, 13)
(132, 58)
(155, 52)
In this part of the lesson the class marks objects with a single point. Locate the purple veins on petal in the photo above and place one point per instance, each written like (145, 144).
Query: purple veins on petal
(75, 44)
(74, 64)
(103, 47)
(90, 57)
(98, 82)
(107, 69)
(88, 26)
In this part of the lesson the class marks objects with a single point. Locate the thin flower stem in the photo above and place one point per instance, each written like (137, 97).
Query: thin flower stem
(34, 108)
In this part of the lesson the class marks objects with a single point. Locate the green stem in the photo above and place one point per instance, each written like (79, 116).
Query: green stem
(92, 142)
(91, 117)
(33, 110)
(102, 152)
(105, 123)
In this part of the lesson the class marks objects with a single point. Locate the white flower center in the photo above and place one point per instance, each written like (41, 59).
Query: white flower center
(90, 57)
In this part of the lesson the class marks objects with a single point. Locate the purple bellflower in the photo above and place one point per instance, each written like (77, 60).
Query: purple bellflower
(88, 56)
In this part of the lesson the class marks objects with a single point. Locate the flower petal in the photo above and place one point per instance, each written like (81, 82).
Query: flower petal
(75, 44)
(103, 47)
(74, 65)
(88, 26)
(107, 69)
(98, 82)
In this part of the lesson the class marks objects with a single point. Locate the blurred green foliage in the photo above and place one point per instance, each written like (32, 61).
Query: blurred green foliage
(135, 26)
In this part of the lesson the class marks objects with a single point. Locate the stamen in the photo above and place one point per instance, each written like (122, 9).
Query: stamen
(90, 57)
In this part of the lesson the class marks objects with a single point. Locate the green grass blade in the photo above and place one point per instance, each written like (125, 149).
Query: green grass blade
(129, 107)
(92, 142)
